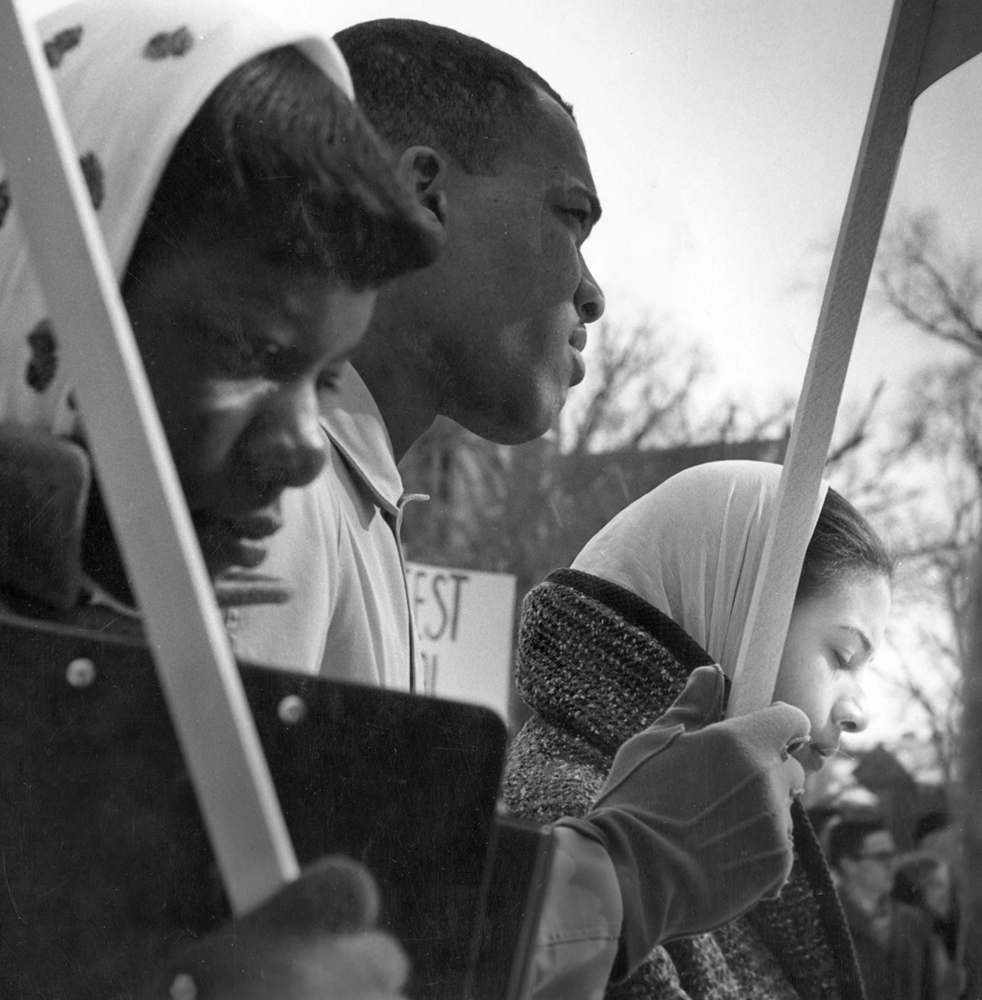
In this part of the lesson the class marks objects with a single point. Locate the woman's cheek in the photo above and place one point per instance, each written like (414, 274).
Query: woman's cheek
(806, 685)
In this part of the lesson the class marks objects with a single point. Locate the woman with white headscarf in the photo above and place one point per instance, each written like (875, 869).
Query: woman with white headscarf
(201, 126)
(606, 646)
(249, 213)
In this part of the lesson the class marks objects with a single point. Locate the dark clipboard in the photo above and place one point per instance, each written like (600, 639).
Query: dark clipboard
(106, 863)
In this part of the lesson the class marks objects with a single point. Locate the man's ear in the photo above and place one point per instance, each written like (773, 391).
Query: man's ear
(425, 171)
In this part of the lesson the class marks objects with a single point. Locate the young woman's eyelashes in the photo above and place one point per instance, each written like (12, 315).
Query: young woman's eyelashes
(851, 660)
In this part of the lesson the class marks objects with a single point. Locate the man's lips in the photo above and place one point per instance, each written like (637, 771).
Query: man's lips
(577, 343)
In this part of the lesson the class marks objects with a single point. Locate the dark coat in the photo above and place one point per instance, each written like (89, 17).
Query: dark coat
(901, 968)
(597, 664)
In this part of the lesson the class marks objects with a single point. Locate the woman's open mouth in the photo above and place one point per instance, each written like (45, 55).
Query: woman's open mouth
(237, 541)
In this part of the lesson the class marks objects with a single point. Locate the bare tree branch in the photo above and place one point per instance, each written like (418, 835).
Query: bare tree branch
(938, 293)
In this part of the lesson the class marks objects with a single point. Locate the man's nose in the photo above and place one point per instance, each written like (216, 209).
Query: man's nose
(288, 444)
(589, 299)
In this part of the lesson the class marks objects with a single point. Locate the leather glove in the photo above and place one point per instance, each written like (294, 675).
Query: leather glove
(695, 815)
(313, 940)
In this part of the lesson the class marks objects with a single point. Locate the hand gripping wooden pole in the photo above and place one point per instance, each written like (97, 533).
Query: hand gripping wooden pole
(197, 672)
(921, 45)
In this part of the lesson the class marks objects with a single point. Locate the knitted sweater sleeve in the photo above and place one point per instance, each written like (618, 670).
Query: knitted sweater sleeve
(551, 773)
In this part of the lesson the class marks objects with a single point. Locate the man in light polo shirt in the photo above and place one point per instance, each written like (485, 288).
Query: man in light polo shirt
(492, 336)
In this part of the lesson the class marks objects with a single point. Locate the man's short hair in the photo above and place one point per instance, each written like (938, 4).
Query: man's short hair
(423, 84)
(846, 838)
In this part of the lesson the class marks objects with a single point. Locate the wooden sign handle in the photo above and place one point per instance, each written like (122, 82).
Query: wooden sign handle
(811, 434)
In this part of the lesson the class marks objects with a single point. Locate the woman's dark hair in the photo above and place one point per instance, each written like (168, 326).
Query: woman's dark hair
(422, 83)
(843, 542)
(277, 150)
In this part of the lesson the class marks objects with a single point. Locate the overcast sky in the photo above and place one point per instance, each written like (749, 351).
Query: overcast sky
(722, 136)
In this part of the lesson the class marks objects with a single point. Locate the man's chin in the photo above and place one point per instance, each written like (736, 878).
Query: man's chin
(517, 425)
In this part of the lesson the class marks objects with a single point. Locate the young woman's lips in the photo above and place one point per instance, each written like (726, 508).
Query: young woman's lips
(813, 756)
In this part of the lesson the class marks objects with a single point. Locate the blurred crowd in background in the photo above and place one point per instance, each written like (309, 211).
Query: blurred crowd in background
(902, 906)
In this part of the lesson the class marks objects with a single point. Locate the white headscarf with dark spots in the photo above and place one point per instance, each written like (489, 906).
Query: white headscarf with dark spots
(692, 548)
(131, 74)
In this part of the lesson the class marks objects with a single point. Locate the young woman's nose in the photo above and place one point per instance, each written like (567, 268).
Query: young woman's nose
(851, 710)
(288, 443)
(589, 298)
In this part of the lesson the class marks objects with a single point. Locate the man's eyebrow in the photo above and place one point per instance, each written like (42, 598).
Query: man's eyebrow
(861, 635)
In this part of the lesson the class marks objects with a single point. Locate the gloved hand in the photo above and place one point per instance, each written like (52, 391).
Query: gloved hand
(695, 815)
(313, 940)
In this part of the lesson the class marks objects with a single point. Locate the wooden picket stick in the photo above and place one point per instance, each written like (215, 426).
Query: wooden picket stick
(788, 534)
(141, 488)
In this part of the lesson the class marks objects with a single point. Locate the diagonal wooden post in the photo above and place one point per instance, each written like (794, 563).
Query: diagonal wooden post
(908, 40)
(197, 672)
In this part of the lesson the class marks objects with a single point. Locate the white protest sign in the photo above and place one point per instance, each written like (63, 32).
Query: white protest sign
(464, 624)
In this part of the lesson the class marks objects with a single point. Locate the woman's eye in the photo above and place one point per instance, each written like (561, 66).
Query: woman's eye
(242, 354)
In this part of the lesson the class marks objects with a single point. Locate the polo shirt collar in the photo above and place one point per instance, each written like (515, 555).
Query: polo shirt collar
(355, 427)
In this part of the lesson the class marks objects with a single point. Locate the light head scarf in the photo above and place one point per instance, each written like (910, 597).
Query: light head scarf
(131, 74)
(692, 548)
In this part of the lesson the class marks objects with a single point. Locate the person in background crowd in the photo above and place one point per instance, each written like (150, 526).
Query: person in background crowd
(923, 880)
(892, 939)
(934, 833)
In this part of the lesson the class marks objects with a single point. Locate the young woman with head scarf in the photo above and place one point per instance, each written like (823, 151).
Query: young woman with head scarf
(606, 646)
